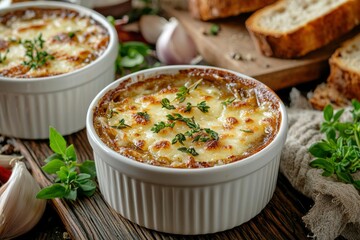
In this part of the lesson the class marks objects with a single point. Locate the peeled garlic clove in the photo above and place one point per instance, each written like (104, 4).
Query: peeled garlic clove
(151, 26)
(174, 45)
(20, 210)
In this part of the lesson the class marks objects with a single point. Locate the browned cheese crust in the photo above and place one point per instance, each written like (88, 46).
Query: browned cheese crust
(130, 100)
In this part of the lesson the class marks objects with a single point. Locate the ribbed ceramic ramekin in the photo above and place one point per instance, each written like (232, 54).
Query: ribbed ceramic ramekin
(29, 106)
(186, 201)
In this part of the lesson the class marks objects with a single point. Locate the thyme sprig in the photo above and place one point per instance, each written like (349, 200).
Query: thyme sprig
(161, 125)
(120, 125)
(35, 53)
(184, 91)
(201, 106)
(166, 104)
(189, 150)
(145, 115)
(339, 153)
(202, 134)
(228, 101)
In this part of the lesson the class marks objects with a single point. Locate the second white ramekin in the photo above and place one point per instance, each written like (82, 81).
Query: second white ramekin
(29, 106)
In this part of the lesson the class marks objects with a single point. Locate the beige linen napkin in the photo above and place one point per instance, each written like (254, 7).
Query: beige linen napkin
(336, 209)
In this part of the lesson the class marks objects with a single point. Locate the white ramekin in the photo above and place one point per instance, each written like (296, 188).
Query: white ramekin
(186, 201)
(29, 106)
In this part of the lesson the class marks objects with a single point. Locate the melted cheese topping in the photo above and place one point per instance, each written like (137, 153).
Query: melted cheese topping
(243, 126)
(72, 40)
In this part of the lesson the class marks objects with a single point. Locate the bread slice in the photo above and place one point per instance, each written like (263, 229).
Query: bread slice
(345, 68)
(214, 9)
(292, 28)
(325, 94)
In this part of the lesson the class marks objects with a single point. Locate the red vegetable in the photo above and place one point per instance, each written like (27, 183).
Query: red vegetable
(4, 174)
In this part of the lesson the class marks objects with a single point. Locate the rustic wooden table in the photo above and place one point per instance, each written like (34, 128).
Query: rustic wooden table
(92, 218)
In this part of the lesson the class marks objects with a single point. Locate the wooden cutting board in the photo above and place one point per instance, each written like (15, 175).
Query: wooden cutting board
(234, 49)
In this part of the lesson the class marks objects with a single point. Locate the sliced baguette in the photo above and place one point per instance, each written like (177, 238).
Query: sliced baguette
(293, 28)
(345, 68)
(214, 9)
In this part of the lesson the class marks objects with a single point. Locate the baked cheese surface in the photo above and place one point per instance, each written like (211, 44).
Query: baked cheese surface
(218, 121)
(69, 40)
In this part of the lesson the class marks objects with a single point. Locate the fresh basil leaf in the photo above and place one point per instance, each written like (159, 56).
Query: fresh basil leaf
(330, 134)
(72, 175)
(320, 149)
(53, 166)
(88, 193)
(63, 174)
(140, 47)
(338, 115)
(344, 176)
(357, 184)
(323, 164)
(134, 60)
(53, 157)
(328, 113)
(83, 176)
(53, 191)
(87, 185)
(71, 194)
(57, 142)
(88, 167)
(71, 153)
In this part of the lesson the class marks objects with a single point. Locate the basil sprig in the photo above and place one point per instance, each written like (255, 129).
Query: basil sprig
(339, 153)
(73, 178)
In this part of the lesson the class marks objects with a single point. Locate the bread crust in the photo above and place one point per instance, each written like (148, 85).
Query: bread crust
(344, 79)
(305, 38)
(214, 9)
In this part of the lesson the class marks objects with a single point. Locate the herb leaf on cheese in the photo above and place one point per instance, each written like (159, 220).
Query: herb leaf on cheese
(120, 125)
(37, 57)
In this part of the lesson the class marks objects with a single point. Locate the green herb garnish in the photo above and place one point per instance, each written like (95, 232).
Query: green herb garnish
(166, 104)
(201, 106)
(228, 101)
(161, 125)
(179, 138)
(247, 130)
(111, 113)
(73, 178)
(3, 57)
(145, 115)
(34, 52)
(203, 134)
(121, 124)
(189, 150)
(214, 29)
(71, 34)
(184, 91)
(339, 153)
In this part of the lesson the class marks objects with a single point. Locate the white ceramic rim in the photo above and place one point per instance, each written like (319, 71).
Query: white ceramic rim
(198, 173)
(19, 82)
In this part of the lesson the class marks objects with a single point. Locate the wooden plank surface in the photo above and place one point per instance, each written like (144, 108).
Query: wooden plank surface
(92, 218)
(234, 38)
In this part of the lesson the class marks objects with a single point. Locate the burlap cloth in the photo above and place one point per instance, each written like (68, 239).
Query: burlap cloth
(336, 209)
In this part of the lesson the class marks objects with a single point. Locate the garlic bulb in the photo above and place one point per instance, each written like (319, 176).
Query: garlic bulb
(175, 46)
(151, 26)
(20, 210)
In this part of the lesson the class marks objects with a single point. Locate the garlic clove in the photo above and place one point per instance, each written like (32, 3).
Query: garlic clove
(151, 26)
(20, 210)
(174, 45)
